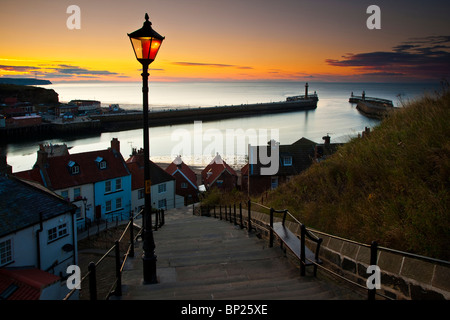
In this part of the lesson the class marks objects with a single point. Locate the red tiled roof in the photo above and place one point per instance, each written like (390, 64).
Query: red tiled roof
(244, 170)
(30, 283)
(184, 168)
(31, 175)
(135, 165)
(216, 167)
(60, 176)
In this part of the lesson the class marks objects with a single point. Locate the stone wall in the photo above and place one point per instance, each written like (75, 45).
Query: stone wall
(402, 277)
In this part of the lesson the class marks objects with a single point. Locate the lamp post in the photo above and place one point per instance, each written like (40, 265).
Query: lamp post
(146, 43)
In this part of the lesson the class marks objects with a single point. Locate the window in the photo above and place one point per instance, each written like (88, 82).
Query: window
(274, 182)
(161, 188)
(108, 206)
(219, 183)
(184, 185)
(78, 213)
(73, 167)
(5, 252)
(141, 194)
(118, 184)
(101, 163)
(57, 232)
(107, 186)
(65, 194)
(162, 204)
(287, 161)
(118, 203)
(76, 193)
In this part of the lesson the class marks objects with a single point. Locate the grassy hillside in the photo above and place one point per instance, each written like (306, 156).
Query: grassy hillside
(392, 186)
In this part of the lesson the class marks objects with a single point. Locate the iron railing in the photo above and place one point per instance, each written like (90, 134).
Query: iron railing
(231, 216)
(116, 288)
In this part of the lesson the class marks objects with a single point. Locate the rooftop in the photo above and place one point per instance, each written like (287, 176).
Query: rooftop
(135, 165)
(214, 169)
(179, 165)
(22, 203)
(24, 284)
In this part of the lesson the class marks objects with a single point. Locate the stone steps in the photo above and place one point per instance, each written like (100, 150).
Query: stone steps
(202, 258)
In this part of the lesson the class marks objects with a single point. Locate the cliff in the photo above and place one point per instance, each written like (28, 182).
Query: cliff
(35, 95)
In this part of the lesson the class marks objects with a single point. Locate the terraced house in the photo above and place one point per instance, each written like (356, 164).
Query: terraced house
(97, 182)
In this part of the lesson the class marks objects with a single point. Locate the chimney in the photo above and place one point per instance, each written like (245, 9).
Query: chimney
(115, 145)
(5, 168)
(42, 158)
(327, 139)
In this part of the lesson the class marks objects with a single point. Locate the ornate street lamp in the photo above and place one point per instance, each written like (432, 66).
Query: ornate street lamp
(146, 43)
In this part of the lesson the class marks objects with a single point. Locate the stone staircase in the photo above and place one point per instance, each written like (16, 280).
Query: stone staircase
(202, 258)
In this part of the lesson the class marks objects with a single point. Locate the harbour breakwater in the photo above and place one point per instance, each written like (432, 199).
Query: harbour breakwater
(133, 120)
(121, 121)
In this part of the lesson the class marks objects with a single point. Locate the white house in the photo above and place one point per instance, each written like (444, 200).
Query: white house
(97, 182)
(38, 242)
(162, 188)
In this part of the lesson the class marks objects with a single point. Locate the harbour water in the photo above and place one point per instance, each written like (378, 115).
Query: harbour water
(199, 142)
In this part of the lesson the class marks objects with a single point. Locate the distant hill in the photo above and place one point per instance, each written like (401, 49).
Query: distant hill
(391, 186)
(24, 81)
(21, 93)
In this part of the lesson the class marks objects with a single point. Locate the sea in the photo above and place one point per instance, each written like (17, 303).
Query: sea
(199, 142)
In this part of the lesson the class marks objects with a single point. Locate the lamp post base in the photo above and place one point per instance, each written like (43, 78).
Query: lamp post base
(149, 264)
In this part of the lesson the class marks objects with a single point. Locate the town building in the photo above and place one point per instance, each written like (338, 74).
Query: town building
(293, 159)
(219, 174)
(97, 182)
(162, 188)
(186, 180)
(86, 107)
(38, 241)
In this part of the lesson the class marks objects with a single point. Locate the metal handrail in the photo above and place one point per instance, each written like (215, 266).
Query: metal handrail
(70, 293)
(403, 253)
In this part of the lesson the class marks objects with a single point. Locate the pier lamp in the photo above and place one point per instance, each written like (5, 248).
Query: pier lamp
(146, 43)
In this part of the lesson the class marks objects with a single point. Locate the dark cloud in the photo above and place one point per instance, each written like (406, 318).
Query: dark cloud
(74, 70)
(214, 65)
(18, 68)
(427, 57)
(60, 71)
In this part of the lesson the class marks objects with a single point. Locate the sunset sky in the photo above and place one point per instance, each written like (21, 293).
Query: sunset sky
(213, 40)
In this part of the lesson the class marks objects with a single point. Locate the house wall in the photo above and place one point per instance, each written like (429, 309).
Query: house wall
(185, 192)
(136, 203)
(229, 181)
(101, 198)
(51, 251)
(25, 252)
(258, 184)
(88, 212)
(169, 194)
